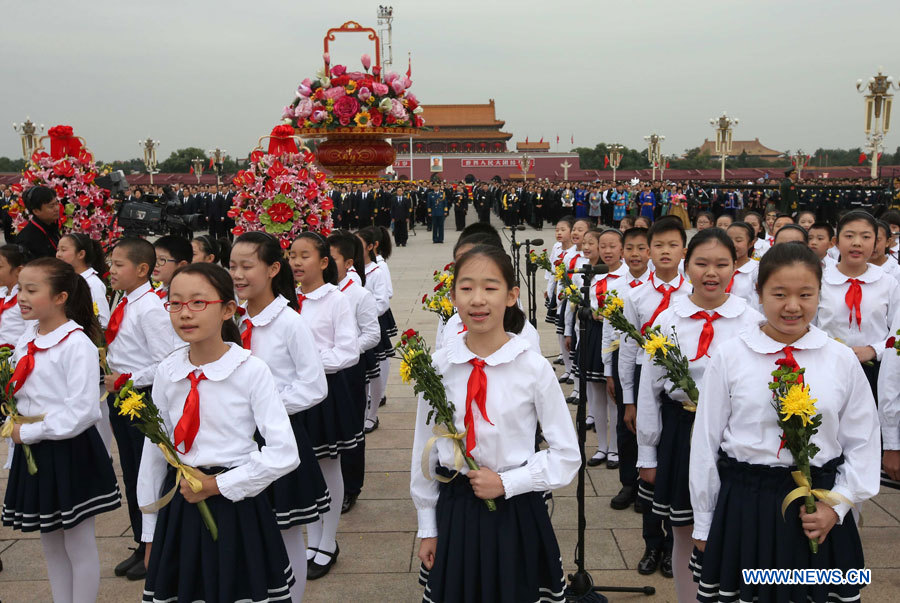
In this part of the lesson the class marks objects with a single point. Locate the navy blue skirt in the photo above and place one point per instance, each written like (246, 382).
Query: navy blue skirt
(505, 556)
(301, 496)
(670, 496)
(748, 532)
(561, 316)
(332, 424)
(75, 480)
(370, 362)
(248, 562)
(593, 347)
(385, 349)
(551, 309)
(388, 324)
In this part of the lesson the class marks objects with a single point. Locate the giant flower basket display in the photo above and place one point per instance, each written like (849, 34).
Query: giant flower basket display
(355, 112)
(282, 192)
(69, 169)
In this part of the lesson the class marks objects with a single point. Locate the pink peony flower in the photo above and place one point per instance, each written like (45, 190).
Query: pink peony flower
(345, 108)
(338, 71)
(412, 98)
(304, 109)
(344, 120)
(304, 90)
(397, 86)
(379, 88)
(317, 115)
(389, 77)
(288, 112)
(397, 110)
(364, 94)
(335, 93)
(307, 82)
(366, 61)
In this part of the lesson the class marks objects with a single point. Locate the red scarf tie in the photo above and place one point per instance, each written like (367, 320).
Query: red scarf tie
(247, 334)
(476, 391)
(115, 321)
(26, 365)
(789, 362)
(300, 298)
(706, 334)
(161, 293)
(189, 423)
(4, 306)
(601, 287)
(666, 291)
(731, 282)
(347, 286)
(634, 283)
(572, 263)
(853, 300)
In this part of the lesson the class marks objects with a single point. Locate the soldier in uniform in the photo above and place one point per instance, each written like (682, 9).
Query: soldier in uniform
(460, 206)
(790, 199)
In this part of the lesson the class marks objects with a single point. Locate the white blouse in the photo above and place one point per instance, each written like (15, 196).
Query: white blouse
(556, 254)
(522, 392)
(237, 398)
(98, 294)
(640, 304)
(145, 337)
(362, 306)
(880, 300)
(744, 283)
(378, 284)
(383, 265)
(12, 325)
(327, 314)
(578, 280)
(889, 393)
(735, 414)
(63, 385)
(677, 322)
(281, 339)
(611, 337)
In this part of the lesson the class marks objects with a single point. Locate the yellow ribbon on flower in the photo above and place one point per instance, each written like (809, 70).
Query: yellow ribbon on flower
(612, 348)
(441, 431)
(13, 419)
(803, 489)
(182, 471)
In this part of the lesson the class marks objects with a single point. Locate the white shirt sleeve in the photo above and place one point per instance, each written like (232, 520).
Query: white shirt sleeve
(152, 472)
(160, 338)
(628, 354)
(308, 387)
(649, 414)
(345, 352)
(367, 319)
(889, 396)
(423, 489)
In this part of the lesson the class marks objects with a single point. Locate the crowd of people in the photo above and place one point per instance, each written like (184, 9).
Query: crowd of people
(268, 369)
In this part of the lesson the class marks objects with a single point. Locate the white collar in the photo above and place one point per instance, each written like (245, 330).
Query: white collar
(733, 307)
(88, 273)
(379, 259)
(56, 335)
(180, 364)
(752, 334)
(748, 267)
(654, 282)
(10, 293)
(374, 266)
(139, 292)
(269, 313)
(320, 292)
(833, 276)
(459, 353)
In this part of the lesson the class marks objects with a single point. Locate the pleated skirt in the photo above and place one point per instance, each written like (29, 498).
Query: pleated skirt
(551, 305)
(748, 532)
(593, 348)
(385, 349)
(561, 316)
(506, 556)
(670, 496)
(370, 362)
(333, 425)
(74, 481)
(248, 562)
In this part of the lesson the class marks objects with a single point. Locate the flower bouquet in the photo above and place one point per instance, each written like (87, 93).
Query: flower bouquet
(566, 287)
(667, 354)
(281, 192)
(541, 260)
(440, 302)
(69, 170)
(8, 407)
(893, 343)
(140, 406)
(416, 366)
(338, 98)
(613, 310)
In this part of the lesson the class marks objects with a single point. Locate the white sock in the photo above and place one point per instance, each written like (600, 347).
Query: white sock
(682, 547)
(613, 414)
(567, 360)
(596, 401)
(81, 546)
(377, 388)
(59, 568)
(296, 550)
(331, 471)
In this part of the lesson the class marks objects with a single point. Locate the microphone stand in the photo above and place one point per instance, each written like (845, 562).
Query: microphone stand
(531, 280)
(581, 586)
(514, 251)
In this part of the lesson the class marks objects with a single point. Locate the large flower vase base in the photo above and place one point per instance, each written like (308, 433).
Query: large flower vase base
(355, 153)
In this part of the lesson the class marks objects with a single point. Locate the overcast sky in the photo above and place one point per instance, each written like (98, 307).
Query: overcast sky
(217, 73)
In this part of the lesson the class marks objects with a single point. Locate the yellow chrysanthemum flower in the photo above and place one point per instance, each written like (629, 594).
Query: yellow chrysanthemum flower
(132, 405)
(571, 290)
(560, 272)
(612, 305)
(657, 343)
(405, 372)
(797, 403)
(96, 309)
(446, 306)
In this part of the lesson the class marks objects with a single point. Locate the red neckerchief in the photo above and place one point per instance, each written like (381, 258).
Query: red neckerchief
(601, 287)
(706, 334)
(789, 362)
(117, 316)
(26, 364)
(41, 228)
(189, 423)
(300, 299)
(853, 299)
(666, 290)
(476, 391)
(345, 287)
(4, 306)
(247, 334)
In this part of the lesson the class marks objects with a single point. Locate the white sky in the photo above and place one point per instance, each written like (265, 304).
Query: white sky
(217, 73)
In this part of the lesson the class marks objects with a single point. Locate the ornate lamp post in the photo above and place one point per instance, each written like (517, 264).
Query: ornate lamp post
(524, 166)
(198, 165)
(879, 98)
(724, 126)
(654, 155)
(800, 160)
(150, 162)
(30, 133)
(218, 161)
(614, 157)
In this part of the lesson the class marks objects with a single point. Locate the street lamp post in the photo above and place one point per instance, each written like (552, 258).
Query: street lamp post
(615, 158)
(218, 157)
(150, 162)
(800, 160)
(198, 165)
(879, 98)
(30, 133)
(525, 166)
(724, 126)
(654, 155)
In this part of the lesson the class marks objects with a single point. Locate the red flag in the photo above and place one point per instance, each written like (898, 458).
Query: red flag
(542, 139)
(557, 139)
(573, 139)
(526, 140)
(879, 156)
(192, 169)
(862, 157)
(409, 69)
(210, 163)
(606, 161)
(667, 165)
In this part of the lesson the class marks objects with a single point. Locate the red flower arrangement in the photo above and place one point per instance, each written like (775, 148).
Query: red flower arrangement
(69, 170)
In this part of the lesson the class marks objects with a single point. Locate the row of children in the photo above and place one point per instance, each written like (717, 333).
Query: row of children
(285, 365)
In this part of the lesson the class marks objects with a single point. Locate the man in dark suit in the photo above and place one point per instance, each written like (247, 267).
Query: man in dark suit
(41, 234)
(215, 213)
(337, 211)
(384, 200)
(401, 211)
(460, 206)
(789, 200)
(365, 206)
(483, 204)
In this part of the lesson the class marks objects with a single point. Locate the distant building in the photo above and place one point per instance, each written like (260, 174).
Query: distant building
(458, 129)
(753, 148)
(533, 147)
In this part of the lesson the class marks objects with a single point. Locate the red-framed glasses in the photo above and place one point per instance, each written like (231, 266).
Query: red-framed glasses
(194, 305)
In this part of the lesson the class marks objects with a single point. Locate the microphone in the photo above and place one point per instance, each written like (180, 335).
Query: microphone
(591, 269)
(520, 227)
(535, 242)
